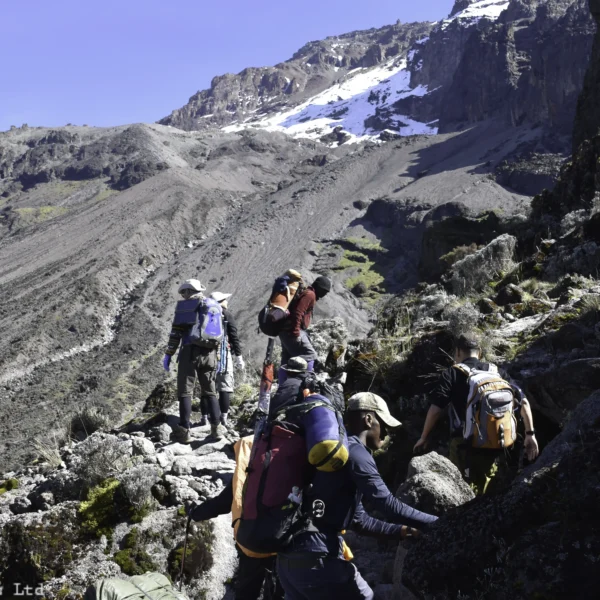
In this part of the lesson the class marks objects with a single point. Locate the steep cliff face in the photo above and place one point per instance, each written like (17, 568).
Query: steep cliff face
(576, 193)
(517, 70)
(587, 122)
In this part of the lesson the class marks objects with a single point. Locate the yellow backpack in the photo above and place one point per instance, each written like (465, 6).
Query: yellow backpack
(490, 417)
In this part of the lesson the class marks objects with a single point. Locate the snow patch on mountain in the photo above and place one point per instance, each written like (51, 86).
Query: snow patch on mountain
(348, 105)
(485, 9)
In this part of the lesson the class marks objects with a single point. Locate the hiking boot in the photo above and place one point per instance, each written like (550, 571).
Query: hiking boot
(203, 421)
(224, 419)
(181, 434)
(215, 432)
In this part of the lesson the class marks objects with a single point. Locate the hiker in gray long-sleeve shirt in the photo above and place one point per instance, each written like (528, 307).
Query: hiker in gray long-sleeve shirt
(313, 566)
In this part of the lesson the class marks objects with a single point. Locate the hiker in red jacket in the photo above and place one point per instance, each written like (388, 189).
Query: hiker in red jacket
(294, 338)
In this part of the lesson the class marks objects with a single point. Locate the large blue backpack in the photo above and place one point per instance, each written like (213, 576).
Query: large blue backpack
(205, 318)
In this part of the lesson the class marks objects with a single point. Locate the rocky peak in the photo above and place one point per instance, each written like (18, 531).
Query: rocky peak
(485, 61)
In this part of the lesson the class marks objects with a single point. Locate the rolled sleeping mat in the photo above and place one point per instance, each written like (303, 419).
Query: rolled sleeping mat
(326, 439)
(284, 290)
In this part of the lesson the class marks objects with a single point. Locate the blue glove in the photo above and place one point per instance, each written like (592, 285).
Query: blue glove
(166, 362)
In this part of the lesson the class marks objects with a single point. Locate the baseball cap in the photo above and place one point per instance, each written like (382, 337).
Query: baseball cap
(374, 403)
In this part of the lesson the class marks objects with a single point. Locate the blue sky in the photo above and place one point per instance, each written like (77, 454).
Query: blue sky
(110, 62)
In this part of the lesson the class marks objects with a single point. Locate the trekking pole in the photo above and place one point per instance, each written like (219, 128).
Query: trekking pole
(185, 543)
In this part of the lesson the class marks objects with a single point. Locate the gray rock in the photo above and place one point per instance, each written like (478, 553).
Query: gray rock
(164, 458)
(400, 592)
(510, 294)
(42, 501)
(475, 271)
(143, 447)
(329, 336)
(434, 485)
(21, 505)
(179, 490)
(213, 583)
(160, 433)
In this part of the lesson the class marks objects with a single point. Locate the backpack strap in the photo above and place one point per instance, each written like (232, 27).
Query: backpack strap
(463, 369)
(300, 409)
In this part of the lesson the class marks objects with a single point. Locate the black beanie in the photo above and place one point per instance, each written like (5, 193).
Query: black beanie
(321, 285)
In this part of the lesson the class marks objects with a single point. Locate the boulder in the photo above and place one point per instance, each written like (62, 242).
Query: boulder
(21, 505)
(329, 338)
(510, 294)
(160, 433)
(434, 485)
(557, 391)
(179, 490)
(474, 272)
(143, 447)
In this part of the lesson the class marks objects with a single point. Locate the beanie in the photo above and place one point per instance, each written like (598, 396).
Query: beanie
(322, 286)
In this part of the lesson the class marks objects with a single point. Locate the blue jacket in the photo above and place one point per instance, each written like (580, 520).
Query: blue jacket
(342, 492)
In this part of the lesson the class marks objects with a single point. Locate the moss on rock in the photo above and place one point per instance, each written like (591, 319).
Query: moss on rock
(198, 556)
(8, 485)
(100, 512)
(133, 559)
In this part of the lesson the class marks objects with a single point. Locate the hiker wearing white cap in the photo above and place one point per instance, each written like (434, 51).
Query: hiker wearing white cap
(196, 331)
(316, 564)
(231, 348)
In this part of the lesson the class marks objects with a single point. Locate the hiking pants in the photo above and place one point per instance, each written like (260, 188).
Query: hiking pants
(329, 578)
(210, 407)
(225, 381)
(195, 362)
(251, 574)
(487, 468)
(292, 347)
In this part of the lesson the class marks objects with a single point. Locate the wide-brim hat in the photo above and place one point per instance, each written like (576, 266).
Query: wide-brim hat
(372, 402)
(191, 284)
(295, 365)
(220, 296)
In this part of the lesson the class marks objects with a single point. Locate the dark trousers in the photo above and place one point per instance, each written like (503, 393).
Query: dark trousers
(251, 574)
(209, 407)
(328, 578)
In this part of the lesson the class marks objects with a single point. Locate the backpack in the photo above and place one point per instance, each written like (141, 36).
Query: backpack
(334, 393)
(281, 469)
(490, 416)
(284, 295)
(207, 330)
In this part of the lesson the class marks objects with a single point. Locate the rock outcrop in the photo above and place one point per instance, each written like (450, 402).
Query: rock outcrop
(114, 509)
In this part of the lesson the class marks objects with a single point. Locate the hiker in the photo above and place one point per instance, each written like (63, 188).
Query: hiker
(254, 570)
(294, 338)
(479, 466)
(313, 565)
(225, 381)
(290, 390)
(194, 360)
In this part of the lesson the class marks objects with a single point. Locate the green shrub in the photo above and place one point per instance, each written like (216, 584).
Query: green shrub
(133, 559)
(8, 485)
(100, 512)
(243, 393)
(198, 557)
(457, 254)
